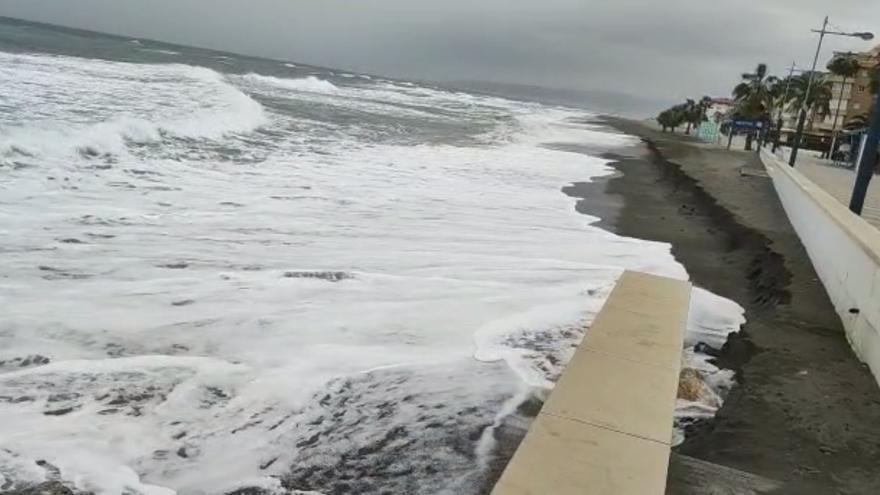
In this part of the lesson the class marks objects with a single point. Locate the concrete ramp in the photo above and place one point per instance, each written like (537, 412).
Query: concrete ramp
(607, 426)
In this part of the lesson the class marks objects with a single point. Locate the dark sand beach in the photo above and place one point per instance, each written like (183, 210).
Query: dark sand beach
(805, 413)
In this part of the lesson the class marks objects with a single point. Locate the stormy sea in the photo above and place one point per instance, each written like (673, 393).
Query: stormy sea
(221, 273)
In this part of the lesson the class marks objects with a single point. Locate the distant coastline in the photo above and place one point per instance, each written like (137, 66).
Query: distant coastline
(602, 101)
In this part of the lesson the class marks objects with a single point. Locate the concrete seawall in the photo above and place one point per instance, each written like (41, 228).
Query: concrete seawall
(607, 426)
(844, 250)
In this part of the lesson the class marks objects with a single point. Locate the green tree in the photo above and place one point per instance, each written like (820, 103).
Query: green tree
(754, 97)
(665, 120)
(779, 93)
(696, 111)
(817, 103)
(672, 118)
(705, 104)
(846, 66)
(679, 115)
(689, 109)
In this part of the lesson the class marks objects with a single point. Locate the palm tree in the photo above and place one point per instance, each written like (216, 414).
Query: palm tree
(754, 97)
(780, 89)
(679, 115)
(780, 92)
(705, 102)
(846, 66)
(819, 100)
(698, 114)
(671, 118)
(665, 120)
(689, 109)
(751, 95)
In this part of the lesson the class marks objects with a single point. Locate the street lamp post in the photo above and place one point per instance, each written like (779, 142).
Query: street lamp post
(804, 105)
(868, 162)
(791, 72)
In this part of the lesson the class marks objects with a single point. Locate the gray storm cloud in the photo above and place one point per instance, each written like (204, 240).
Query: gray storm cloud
(661, 50)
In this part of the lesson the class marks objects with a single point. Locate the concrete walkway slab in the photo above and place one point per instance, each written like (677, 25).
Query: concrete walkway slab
(607, 427)
(563, 457)
(637, 326)
(617, 394)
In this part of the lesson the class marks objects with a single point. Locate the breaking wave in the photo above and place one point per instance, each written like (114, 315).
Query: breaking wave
(310, 84)
(90, 109)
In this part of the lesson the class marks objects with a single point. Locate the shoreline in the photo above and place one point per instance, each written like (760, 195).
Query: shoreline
(599, 198)
(593, 198)
(804, 410)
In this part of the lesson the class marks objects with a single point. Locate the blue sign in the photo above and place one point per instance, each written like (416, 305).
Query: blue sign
(747, 124)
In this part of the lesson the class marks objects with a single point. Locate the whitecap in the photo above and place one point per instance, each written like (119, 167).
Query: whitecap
(160, 51)
(128, 104)
(310, 84)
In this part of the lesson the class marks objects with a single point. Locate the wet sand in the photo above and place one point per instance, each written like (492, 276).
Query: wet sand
(805, 412)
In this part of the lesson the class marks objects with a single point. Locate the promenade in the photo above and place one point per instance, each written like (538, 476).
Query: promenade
(838, 182)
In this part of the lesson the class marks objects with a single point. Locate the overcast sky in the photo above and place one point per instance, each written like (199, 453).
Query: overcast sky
(666, 49)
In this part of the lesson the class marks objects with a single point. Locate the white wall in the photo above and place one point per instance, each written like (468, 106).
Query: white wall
(845, 251)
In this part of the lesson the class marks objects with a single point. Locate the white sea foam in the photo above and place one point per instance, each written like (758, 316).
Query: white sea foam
(219, 313)
(712, 319)
(310, 84)
(162, 52)
(96, 107)
(378, 100)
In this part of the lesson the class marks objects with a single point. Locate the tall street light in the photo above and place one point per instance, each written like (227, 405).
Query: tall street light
(794, 68)
(803, 116)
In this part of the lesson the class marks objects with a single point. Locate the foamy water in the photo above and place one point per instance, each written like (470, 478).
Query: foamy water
(220, 280)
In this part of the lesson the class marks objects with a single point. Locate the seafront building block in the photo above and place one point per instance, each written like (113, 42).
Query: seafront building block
(606, 428)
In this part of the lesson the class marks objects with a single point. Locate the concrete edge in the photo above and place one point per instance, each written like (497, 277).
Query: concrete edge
(862, 232)
(607, 426)
(845, 252)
